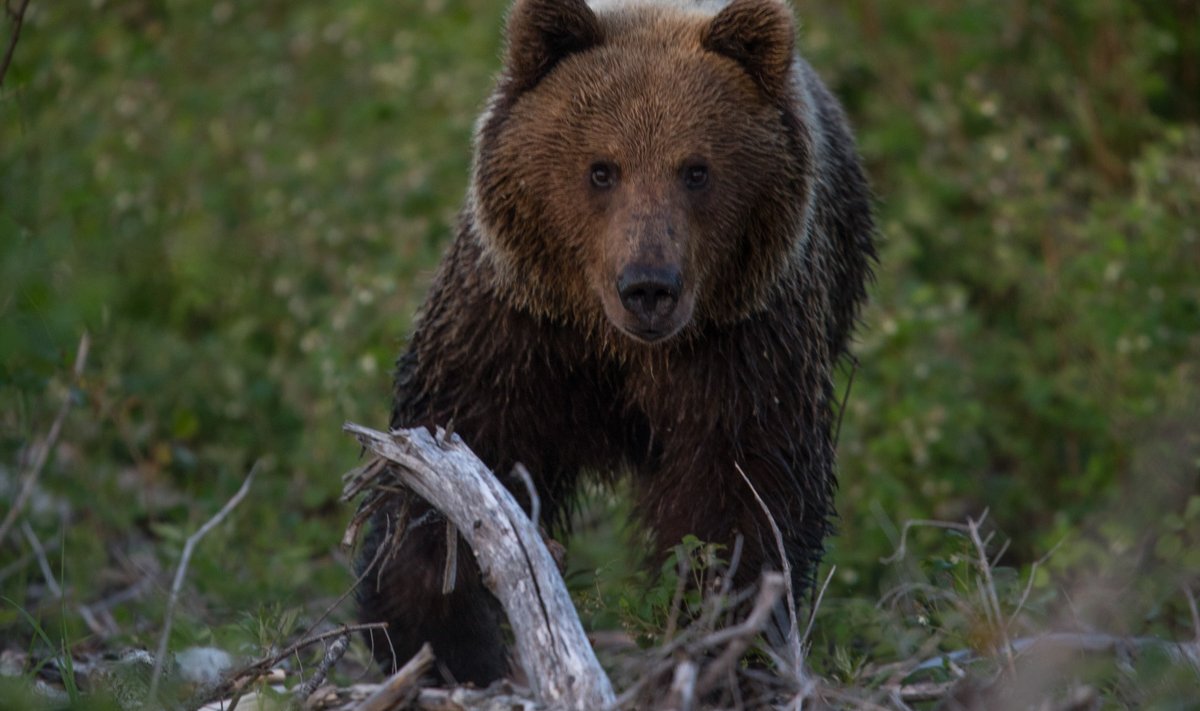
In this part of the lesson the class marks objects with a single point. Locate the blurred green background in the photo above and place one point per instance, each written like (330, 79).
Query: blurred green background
(243, 204)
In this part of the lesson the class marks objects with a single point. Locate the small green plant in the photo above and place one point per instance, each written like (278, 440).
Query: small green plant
(61, 657)
(676, 595)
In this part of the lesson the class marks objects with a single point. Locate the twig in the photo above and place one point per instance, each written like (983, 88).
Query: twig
(332, 655)
(346, 593)
(1029, 584)
(738, 637)
(1187, 592)
(1075, 641)
(255, 669)
(686, 644)
(793, 633)
(132, 592)
(181, 572)
(682, 565)
(812, 616)
(40, 554)
(990, 596)
(18, 19)
(720, 604)
(450, 570)
(902, 549)
(401, 686)
(43, 453)
(535, 503)
(925, 691)
(98, 628)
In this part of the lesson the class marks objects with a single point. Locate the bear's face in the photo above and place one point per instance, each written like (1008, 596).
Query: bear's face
(642, 168)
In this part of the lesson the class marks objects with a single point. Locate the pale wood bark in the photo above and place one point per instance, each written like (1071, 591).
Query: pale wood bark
(517, 567)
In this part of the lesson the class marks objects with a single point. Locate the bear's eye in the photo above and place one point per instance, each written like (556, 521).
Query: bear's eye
(695, 176)
(604, 175)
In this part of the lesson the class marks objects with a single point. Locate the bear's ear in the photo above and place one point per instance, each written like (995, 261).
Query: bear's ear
(760, 36)
(541, 33)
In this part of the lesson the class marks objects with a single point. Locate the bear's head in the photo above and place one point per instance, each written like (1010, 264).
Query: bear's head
(643, 167)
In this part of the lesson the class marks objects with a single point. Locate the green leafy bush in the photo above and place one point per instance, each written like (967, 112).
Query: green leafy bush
(242, 204)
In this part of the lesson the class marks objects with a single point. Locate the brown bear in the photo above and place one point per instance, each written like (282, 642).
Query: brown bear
(662, 255)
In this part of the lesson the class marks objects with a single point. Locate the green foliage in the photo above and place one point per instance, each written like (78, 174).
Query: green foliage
(63, 660)
(675, 595)
(242, 204)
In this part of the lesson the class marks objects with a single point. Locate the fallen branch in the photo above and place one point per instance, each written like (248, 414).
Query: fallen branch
(515, 563)
(181, 572)
(332, 655)
(235, 683)
(401, 687)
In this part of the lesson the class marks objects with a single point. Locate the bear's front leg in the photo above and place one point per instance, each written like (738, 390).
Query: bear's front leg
(744, 439)
(462, 627)
(712, 495)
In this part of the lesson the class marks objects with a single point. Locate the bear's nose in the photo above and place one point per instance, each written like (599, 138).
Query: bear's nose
(649, 293)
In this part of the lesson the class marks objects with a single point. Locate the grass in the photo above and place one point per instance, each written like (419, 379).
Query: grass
(243, 204)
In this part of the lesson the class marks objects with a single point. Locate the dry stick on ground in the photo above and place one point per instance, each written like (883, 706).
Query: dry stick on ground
(401, 687)
(735, 639)
(332, 655)
(18, 18)
(687, 645)
(772, 588)
(516, 565)
(188, 547)
(43, 453)
(235, 683)
(47, 573)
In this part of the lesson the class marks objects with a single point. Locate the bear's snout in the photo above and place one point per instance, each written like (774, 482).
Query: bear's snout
(653, 302)
(650, 294)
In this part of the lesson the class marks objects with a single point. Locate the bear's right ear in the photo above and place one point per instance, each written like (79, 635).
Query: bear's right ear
(541, 33)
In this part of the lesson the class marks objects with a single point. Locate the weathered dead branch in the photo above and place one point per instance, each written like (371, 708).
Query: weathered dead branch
(516, 565)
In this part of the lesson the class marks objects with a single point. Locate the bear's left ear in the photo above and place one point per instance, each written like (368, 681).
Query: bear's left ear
(760, 36)
(541, 33)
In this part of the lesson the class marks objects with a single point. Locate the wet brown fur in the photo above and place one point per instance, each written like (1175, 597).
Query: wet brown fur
(521, 346)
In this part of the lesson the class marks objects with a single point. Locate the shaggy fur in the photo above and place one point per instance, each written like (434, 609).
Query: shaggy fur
(725, 164)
